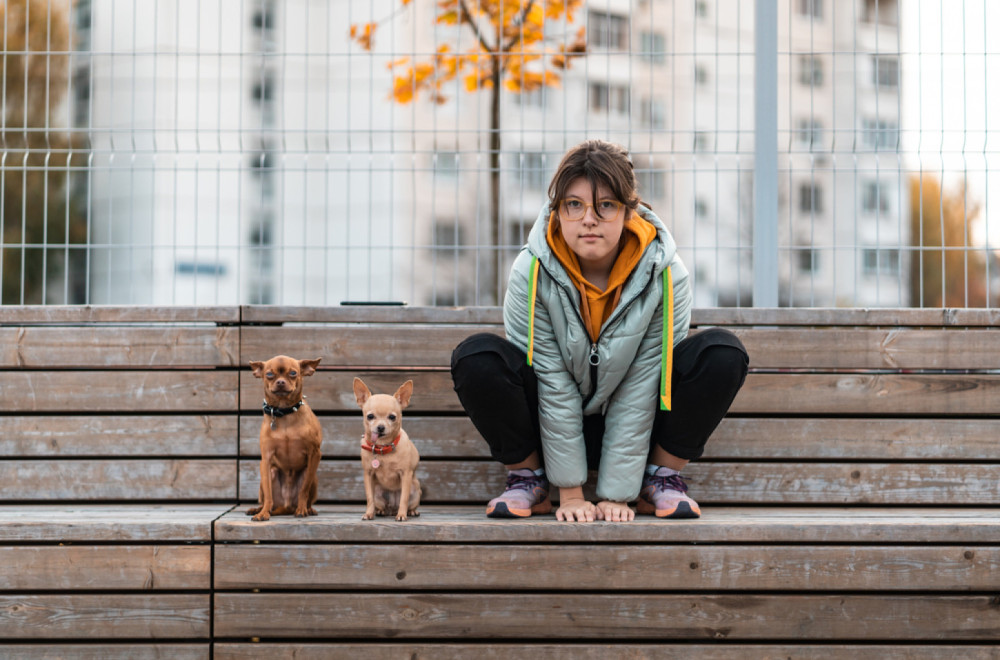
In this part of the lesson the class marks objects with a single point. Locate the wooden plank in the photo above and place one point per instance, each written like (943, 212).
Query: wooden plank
(84, 314)
(389, 346)
(840, 316)
(868, 394)
(719, 524)
(709, 316)
(119, 479)
(329, 391)
(599, 651)
(759, 438)
(763, 393)
(129, 651)
(105, 616)
(603, 616)
(406, 314)
(119, 523)
(953, 439)
(607, 568)
(710, 482)
(361, 345)
(119, 391)
(449, 437)
(130, 435)
(859, 348)
(102, 347)
(118, 567)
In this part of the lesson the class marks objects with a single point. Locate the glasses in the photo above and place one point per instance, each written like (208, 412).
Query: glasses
(573, 209)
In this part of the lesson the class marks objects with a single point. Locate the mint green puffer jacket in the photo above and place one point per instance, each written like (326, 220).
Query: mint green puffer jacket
(619, 375)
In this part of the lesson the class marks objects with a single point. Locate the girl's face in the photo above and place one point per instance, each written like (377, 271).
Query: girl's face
(593, 238)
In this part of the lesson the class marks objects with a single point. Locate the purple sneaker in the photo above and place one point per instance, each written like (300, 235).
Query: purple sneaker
(526, 493)
(665, 496)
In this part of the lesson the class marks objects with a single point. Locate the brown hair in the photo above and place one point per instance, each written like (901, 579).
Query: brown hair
(601, 163)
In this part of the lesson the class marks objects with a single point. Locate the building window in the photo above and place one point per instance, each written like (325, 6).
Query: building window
(651, 183)
(808, 259)
(700, 74)
(701, 8)
(809, 133)
(811, 8)
(700, 207)
(448, 233)
(607, 31)
(263, 88)
(880, 134)
(653, 114)
(533, 174)
(885, 12)
(810, 71)
(533, 99)
(885, 71)
(874, 197)
(880, 261)
(810, 198)
(702, 141)
(446, 164)
(612, 99)
(653, 47)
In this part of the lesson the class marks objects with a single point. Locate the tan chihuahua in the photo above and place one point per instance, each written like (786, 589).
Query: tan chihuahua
(388, 458)
(290, 439)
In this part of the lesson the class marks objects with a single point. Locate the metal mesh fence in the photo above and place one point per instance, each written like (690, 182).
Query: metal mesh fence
(319, 151)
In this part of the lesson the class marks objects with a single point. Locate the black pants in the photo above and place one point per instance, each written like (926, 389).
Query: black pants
(499, 391)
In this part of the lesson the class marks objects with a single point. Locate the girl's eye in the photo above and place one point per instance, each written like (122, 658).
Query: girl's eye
(607, 205)
(574, 204)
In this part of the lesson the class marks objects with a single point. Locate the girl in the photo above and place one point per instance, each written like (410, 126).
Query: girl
(597, 371)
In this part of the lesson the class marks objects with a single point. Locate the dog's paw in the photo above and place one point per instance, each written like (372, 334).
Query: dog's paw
(302, 513)
(254, 511)
(368, 515)
(262, 516)
(312, 512)
(414, 513)
(401, 516)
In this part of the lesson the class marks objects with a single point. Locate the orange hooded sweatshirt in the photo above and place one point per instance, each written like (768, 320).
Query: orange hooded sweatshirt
(596, 305)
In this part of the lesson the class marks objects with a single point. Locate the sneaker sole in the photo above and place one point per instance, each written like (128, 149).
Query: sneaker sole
(682, 510)
(501, 510)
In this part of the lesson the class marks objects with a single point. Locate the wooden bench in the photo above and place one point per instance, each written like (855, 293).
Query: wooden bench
(851, 500)
(851, 507)
(117, 454)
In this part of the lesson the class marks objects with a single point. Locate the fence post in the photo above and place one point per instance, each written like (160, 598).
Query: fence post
(765, 168)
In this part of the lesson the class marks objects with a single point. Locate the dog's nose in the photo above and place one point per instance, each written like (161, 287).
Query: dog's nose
(380, 428)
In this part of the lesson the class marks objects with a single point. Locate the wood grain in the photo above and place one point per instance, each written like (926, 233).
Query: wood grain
(105, 616)
(106, 651)
(113, 567)
(607, 568)
(719, 524)
(118, 391)
(710, 482)
(116, 436)
(696, 617)
(119, 523)
(598, 650)
(101, 347)
(120, 479)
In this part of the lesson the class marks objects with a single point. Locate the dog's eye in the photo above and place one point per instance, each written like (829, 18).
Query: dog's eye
(370, 417)
(270, 374)
(392, 418)
(292, 374)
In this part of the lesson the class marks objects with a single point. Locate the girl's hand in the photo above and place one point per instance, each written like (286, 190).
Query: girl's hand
(578, 510)
(614, 511)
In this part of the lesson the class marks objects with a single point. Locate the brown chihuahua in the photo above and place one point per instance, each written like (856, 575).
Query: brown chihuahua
(290, 439)
(388, 457)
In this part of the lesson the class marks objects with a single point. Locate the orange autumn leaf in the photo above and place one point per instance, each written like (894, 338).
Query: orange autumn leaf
(364, 35)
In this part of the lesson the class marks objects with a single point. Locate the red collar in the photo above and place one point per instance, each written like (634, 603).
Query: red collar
(381, 449)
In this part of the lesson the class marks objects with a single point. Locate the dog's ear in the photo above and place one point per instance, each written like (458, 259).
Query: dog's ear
(308, 367)
(404, 392)
(361, 391)
(258, 369)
